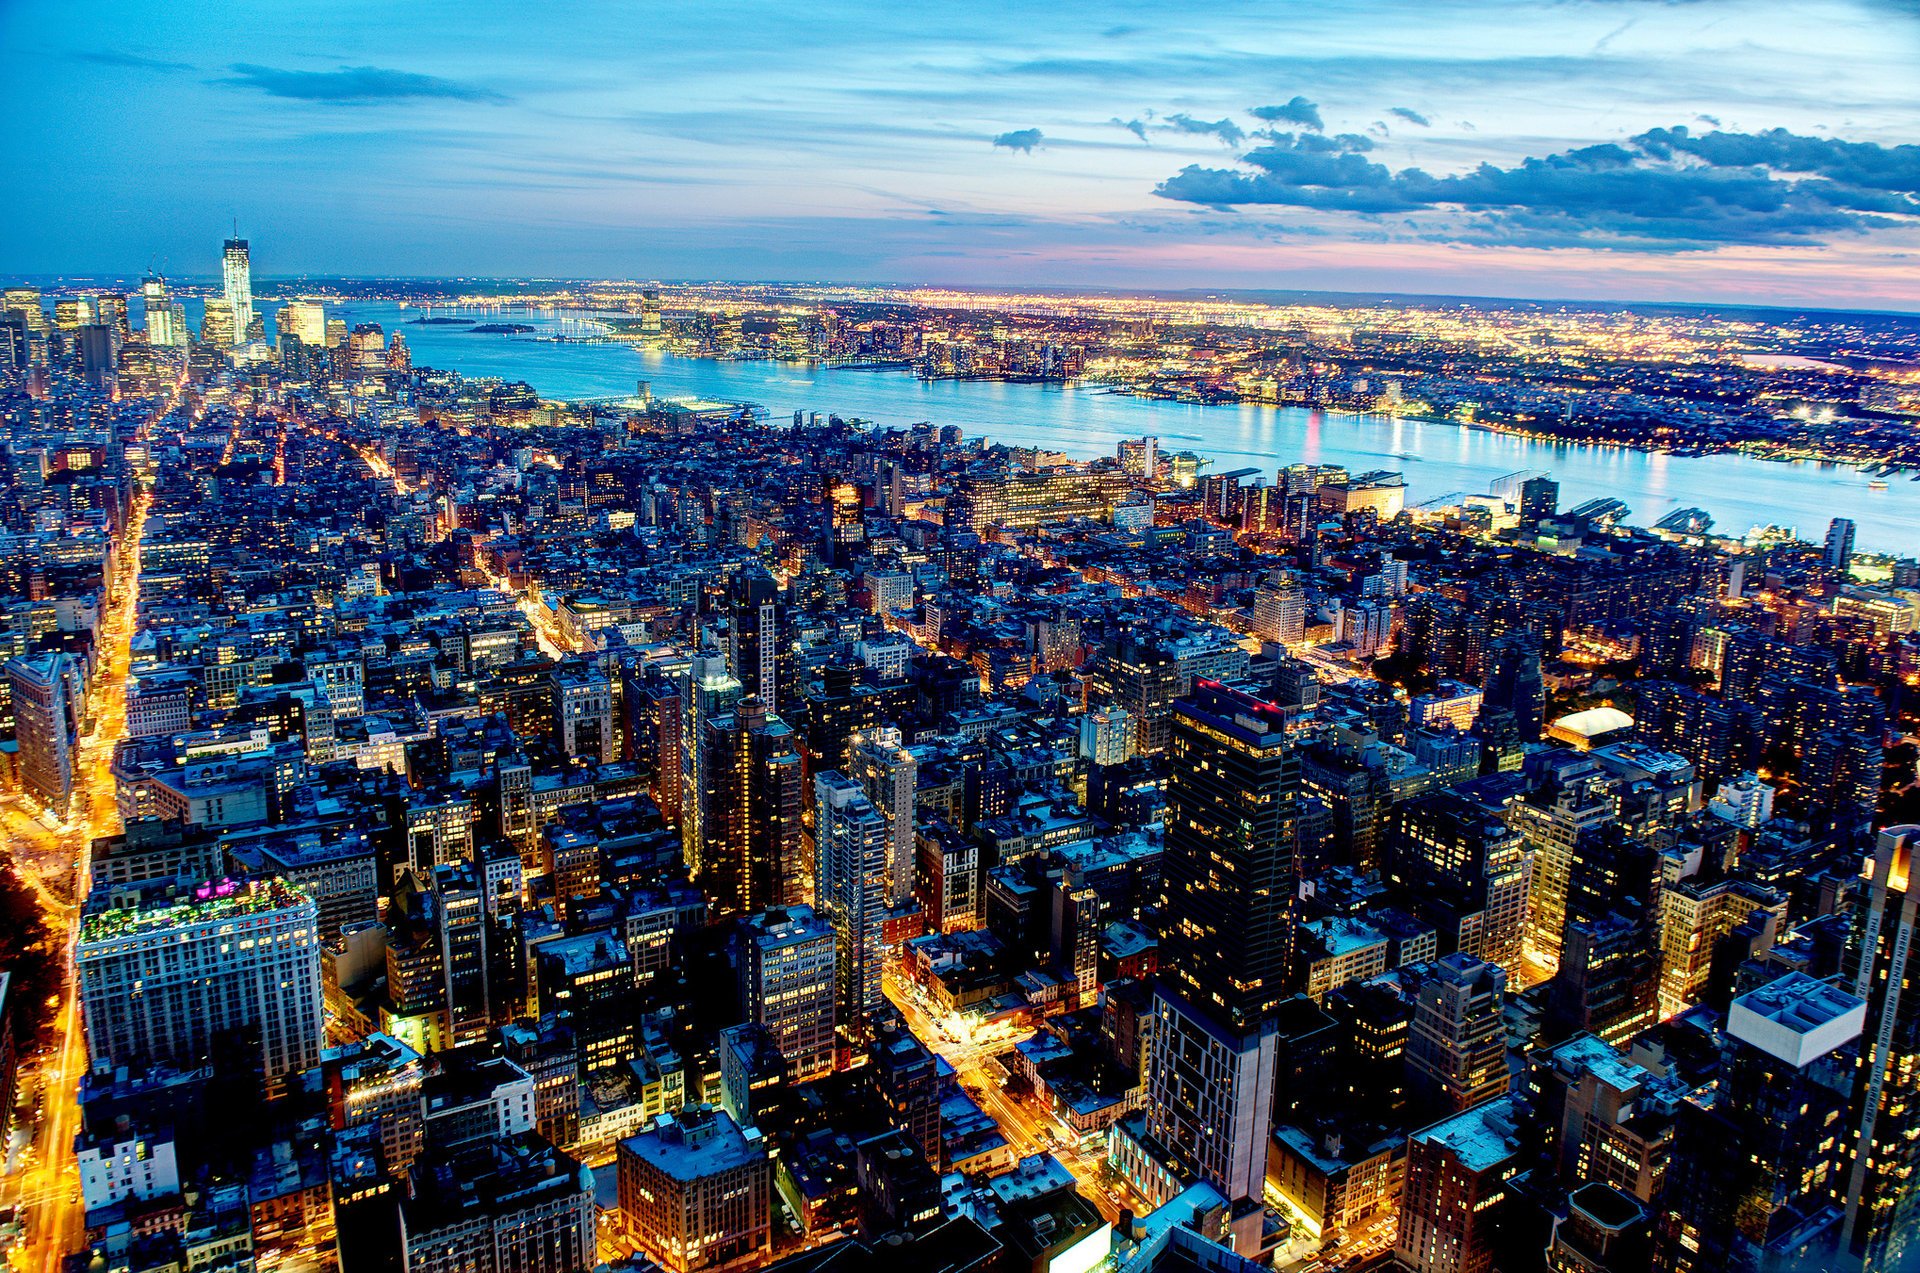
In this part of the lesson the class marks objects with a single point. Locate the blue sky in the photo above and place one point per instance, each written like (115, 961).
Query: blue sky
(1691, 150)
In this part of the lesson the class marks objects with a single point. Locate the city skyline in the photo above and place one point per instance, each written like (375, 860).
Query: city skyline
(1595, 151)
(994, 638)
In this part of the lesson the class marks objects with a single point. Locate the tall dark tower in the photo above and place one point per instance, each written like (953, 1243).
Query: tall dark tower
(1231, 833)
(754, 632)
(1514, 683)
(1539, 499)
(1883, 1124)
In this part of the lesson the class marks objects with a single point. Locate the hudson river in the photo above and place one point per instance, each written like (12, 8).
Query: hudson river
(1437, 459)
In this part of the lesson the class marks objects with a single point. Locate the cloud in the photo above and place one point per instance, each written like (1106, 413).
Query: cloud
(1411, 116)
(1225, 129)
(1021, 139)
(355, 84)
(1137, 127)
(1299, 112)
(1664, 190)
(134, 61)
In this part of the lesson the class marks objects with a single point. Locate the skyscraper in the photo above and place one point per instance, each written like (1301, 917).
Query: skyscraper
(1457, 1048)
(749, 851)
(1883, 1135)
(1753, 1172)
(1515, 684)
(1839, 543)
(236, 277)
(787, 984)
(852, 847)
(889, 774)
(753, 636)
(46, 722)
(1231, 829)
(1539, 499)
(164, 969)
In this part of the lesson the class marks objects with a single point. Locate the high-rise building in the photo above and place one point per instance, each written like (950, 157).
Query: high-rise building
(583, 710)
(375, 1083)
(1753, 1178)
(749, 852)
(1280, 609)
(216, 324)
(236, 279)
(1468, 870)
(1539, 499)
(656, 720)
(1457, 1045)
(46, 721)
(906, 1081)
(1515, 684)
(166, 968)
(588, 982)
(1231, 832)
(1455, 1190)
(162, 328)
(712, 693)
(787, 984)
(753, 633)
(306, 321)
(1839, 549)
(1570, 801)
(1106, 736)
(696, 1192)
(513, 1204)
(889, 774)
(852, 845)
(1881, 1229)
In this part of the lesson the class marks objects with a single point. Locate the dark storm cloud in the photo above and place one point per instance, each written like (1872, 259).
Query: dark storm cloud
(1225, 129)
(1299, 112)
(1662, 190)
(355, 84)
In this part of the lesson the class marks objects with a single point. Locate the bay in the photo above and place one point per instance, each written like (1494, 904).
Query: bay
(1437, 458)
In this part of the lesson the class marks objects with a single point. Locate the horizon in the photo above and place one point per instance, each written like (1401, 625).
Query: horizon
(265, 284)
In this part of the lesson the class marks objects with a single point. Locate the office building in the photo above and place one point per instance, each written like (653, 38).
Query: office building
(165, 968)
(1881, 1225)
(1456, 1190)
(788, 985)
(1231, 831)
(696, 1192)
(236, 286)
(1457, 1044)
(853, 843)
(47, 699)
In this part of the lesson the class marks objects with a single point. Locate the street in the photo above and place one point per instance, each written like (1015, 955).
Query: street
(1029, 1129)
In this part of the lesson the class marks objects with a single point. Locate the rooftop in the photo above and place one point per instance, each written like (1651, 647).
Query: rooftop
(156, 906)
(1481, 1139)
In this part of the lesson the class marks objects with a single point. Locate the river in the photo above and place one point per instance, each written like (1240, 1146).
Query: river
(1437, 458)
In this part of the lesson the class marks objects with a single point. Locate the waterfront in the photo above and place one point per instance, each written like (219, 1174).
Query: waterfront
(1437, 458)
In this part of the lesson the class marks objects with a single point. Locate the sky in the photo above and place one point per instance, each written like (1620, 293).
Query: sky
(1666, 150)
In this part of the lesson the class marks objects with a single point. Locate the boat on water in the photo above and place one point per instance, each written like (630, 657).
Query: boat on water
(1877, 484)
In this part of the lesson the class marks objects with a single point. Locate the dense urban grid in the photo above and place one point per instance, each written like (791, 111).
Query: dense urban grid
(457, 831)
